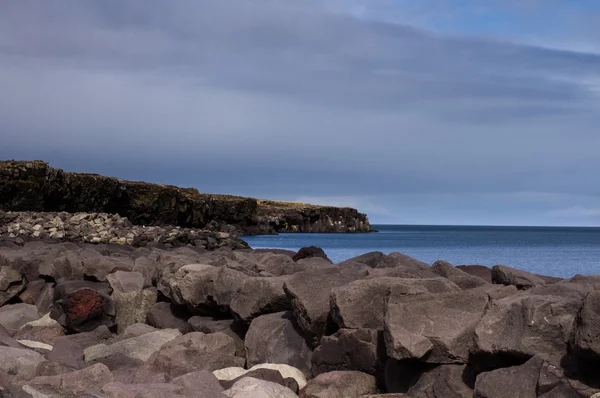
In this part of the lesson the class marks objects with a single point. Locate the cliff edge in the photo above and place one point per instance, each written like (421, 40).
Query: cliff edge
(35, 186)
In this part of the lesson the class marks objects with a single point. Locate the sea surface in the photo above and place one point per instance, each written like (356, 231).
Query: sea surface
(553, 251)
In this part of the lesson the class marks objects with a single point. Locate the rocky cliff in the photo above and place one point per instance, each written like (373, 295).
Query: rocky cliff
(35, 186)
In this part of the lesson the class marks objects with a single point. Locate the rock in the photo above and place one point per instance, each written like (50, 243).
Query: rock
(285, 370)
(68, 350)
(32, 291)
(360, 304)
(585, 339)
(351, 349)
(154, 390)
(18, 363)
(230, 373)
(438, 328)
(99, 267)
(126, 282)
(258, 296)
(168, 316)
(132, 307)
(444, 381)
(264, 374)
(122, 367)
(192, 352)
(6, 340)
(460, 278)
(309, 252)
(66, 265)
(520, 326)
(481, 271)
(340, 384)
(200, 380)
(11, 284)
(202, 286)
(45, 300)
(514, 382)
(140, 347)
(274, 338)
(49, 368)
(77, 381)
(309, 295)
(86, 309)
(14, 316)
(45, 330)
(249, 387)
(504, 275)
(135, 330)
(392, 260)
(225, 326)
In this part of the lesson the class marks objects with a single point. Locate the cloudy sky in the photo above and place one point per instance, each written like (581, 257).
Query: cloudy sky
(416, 112)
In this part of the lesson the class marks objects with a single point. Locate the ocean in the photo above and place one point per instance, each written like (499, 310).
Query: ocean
(553, 251)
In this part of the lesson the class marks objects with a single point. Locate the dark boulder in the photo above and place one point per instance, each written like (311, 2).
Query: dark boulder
(503, 275)
(460, 278)
(310, 252)
(512, 382)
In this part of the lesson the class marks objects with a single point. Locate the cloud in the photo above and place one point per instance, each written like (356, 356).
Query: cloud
(329, 101)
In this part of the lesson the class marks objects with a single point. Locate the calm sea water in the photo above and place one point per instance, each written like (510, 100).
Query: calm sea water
(554, 251)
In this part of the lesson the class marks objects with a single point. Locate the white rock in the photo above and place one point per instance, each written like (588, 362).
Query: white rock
(249, 387)
(285, 370)
(229, 373)
(35, 344)
(44, 321)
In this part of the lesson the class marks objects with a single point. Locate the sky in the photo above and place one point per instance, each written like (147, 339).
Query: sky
(472, 112)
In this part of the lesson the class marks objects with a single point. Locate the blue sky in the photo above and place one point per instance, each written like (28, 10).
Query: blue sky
(419, 112)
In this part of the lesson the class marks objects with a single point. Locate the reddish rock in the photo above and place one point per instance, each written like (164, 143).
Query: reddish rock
(82, 306)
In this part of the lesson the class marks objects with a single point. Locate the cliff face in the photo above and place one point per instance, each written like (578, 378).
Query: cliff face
(35, 186)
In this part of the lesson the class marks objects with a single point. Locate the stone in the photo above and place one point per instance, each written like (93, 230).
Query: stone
(480, 271)
(309, 293)
(249, 387)
(285, 370)
(200, 380)
(14, 316)
(77, 381)
(19, 363)
(85, 309)
(393, 260)
(229, 373)
(258, 296)
(271, 375)
(45, 300)
(351, 349)
(514, 382)
(209, 325)
(585, 339)
(132, 307)
(66, 265)
(49, 368)
(459, 277)
(11, 284)
(154, 390)
(135, 330)
(68, 350)
(310, 252)
(501, 274)
(437, 328)
(99, 267)
(444, 381)
(126, 282)
(520, 326)
(140, 347)
(45, 330)
(340, 384)
(275, 338)
(193, 352)
(361, 304)
(168, 316)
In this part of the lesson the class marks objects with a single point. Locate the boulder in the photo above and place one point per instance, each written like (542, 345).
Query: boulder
(310, 252)
(126, 282)
(202, 286)
(11, 284)
(140, 347)
(99, 267)
(193, 352)
(351, 349)
(68, 350)
(84, 310)
(132, 307)
(585, 338)
(520, 326)
(286, 371)
(438, 328)
(393, 260)
(309, 295)
(340, 384)
(444, 381)
(200, 380)
(45, 300)
(264, 374)
(480, 271)
(275, 338)
(66, 265)
(258, 296)
(154, 390)
(168, 316)
(14, 316)
(45, 330)
(249, 387)
(503, 275)
(226, 326)
(77, 381)
(148, 267)
(32, 291)
(360, 304)
(511, 382)
(19, 363)
(460, 278)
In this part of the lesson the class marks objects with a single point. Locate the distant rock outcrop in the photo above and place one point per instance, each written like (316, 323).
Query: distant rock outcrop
(34, 186)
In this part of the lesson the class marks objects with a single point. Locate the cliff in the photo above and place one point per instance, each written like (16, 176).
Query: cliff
(35, 186)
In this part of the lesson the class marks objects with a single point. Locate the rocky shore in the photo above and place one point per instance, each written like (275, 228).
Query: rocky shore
(111, 320)
(34, 186)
